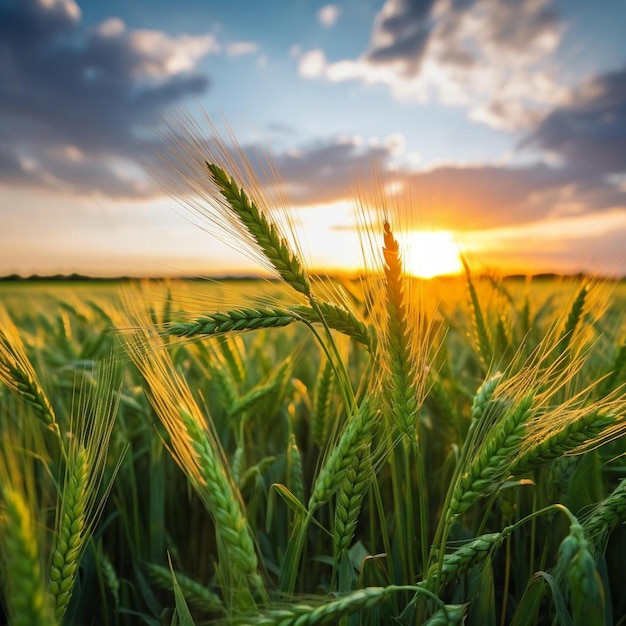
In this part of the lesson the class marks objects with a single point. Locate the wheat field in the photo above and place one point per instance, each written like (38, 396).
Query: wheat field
(305, 450)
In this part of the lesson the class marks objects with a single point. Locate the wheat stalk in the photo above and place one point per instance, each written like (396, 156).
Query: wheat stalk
(356, 434)
(491, 462)
(199, 454)
(238, 320)
(402, 356)
(406, 385)
(111, 578)
(481, 334)
(79, 500)
(573, 319)
(25, 594)
(322, 403)
(195, 593)
(585, 584)
(295, 474)
(209, 176)
(338, 318)
(331, 611)
(606, 515)
(349, 498)
(457, 563)
(21, 542)
(263, 232)
(587, 428)
(18, 374)
(69, 535)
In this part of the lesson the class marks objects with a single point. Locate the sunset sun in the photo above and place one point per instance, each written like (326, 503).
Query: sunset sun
(432, 253)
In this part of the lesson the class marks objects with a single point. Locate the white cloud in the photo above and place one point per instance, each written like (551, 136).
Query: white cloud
(67, 8)
(240, 48)
(163, 56)
(112, 27)
(328, 15)
(491, 57)
(313, 64)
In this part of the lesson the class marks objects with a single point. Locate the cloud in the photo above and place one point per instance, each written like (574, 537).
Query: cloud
(240, 48)
(328, 15)
(456, 197)
(590, 131)
(487, 197)
(325, 171)
(490, 56)
(75, 103)
(401, 31)
(312, 64)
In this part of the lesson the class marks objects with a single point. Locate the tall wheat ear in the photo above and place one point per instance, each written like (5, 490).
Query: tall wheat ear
(233, 193)
(22, 538)
(402, 315)
(82, 495)
(238, 202)
(18, 373)
(197, 450)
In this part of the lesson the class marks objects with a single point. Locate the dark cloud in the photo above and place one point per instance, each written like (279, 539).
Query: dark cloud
(326, 171)
(514, 24)
(317, 173)
(92, 92)
(405, 29)
(29, 24)
(472, 198)
(401, 31)
(589, 133)
(448, 197)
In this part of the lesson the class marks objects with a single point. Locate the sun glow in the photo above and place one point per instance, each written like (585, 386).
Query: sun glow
(432, 253)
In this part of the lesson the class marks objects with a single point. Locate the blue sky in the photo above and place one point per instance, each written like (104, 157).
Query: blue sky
(503, 122)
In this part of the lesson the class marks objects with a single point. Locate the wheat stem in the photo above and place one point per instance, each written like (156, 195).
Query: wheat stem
(338, 318)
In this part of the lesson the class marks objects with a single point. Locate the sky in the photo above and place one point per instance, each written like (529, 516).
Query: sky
(500, 124)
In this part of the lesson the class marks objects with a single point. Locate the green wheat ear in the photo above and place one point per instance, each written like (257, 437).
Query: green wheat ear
(22, 543)
(263, 232)
(405, 385)
(80, 500)
(18, 373)
(237, 320)
(605, 517)
(25, 596)
(197, 450)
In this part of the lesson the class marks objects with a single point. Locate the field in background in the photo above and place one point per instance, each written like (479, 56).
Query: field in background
(470, 505)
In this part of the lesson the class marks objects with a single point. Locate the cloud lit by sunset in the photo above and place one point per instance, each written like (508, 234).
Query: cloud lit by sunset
(502, 126)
